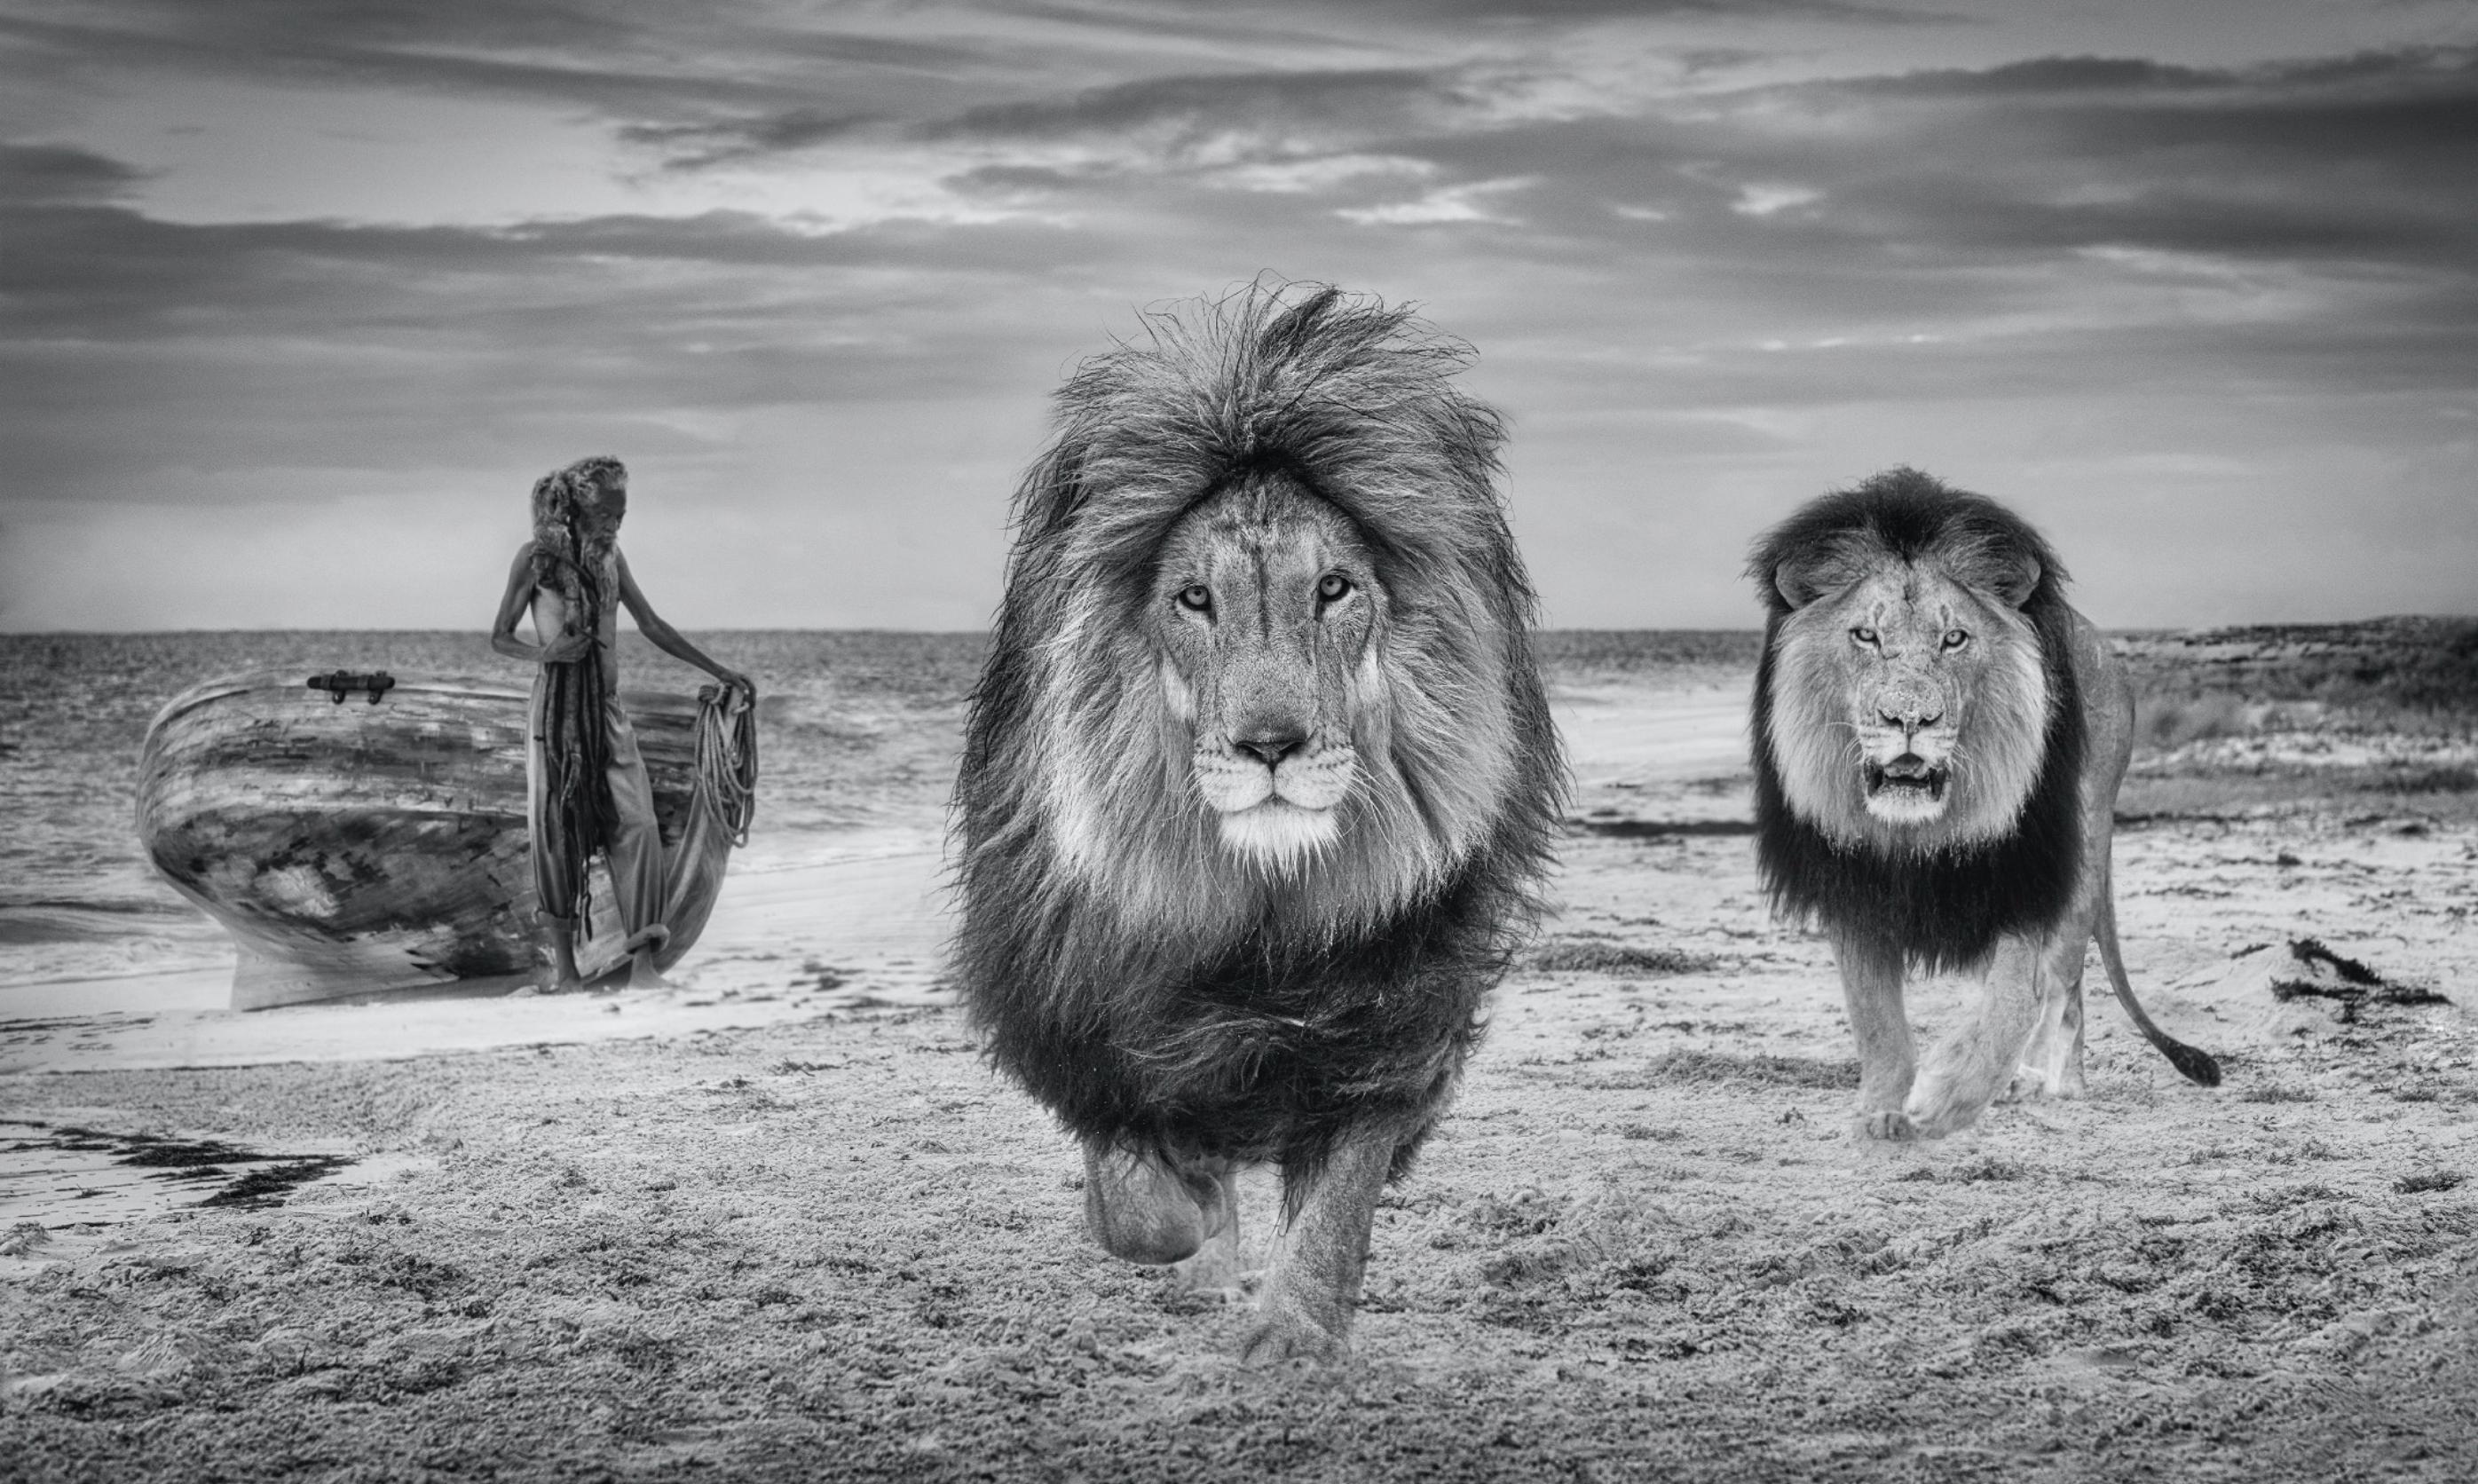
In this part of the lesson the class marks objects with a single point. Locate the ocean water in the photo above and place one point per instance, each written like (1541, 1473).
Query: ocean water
(856, 731)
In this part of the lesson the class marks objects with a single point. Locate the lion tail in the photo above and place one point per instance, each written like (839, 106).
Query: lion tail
(2197, 1065)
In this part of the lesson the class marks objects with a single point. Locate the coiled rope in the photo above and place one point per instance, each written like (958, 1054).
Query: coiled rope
(726, 758)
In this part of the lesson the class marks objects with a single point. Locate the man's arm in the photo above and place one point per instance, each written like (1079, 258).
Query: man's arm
(669, 639)
(568, 645)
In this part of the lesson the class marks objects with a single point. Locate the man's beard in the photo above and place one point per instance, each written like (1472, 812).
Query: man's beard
(595, 535)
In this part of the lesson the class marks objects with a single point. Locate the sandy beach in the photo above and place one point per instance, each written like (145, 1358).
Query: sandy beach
(780, 1220)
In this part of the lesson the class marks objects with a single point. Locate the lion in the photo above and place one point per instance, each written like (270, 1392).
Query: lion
(1259, 782)
(1938, 740)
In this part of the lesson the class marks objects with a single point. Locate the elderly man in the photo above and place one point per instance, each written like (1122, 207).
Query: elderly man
(588, 786)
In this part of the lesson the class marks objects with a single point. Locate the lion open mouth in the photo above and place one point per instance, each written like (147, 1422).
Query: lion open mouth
(1909, 778)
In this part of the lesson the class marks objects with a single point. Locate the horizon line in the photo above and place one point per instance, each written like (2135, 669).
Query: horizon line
(2197, 628)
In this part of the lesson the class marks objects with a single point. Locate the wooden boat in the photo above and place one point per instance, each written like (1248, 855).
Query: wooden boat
(359, 834)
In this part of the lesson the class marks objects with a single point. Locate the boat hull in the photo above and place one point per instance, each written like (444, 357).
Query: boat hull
(370, 845)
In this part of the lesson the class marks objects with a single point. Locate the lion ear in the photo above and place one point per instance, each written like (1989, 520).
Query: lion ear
(2003, 568)
(2019, 581)
(1790, 580)
(1805, 576)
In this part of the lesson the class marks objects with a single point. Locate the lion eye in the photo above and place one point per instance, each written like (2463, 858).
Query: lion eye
(1196, 597)
(1954, 639)
(1332, 587)
(1863, 634)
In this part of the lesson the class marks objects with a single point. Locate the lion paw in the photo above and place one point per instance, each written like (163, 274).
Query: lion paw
(2032, 1084)
(1889, 1125)
(2027, 1087)
(1934, 1111)
(1279, 1342)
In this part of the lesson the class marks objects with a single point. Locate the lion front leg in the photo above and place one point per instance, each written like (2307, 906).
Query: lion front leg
(1968, 1068)
(1871, 988)
(1313, 1285)
(1150, 1210)
(1214, 1266)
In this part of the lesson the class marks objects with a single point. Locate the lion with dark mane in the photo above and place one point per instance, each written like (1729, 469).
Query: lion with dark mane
(1938, 740)
(1258, 783)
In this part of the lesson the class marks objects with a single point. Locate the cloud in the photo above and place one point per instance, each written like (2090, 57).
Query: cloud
(1759, 198)
(2046, 76)
(1547, 12)
(139, 357)
(1321, 173)
(2385, 70)
(1467, 203)
(712, 84)
(826, 277)
(51, 174)
(582, 52)
(2284, 163)
(1203, 105)
(698, 145)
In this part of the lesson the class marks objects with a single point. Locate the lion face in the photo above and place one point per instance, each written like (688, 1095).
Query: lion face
(1266, 604)
(1909, 702)
(1263, 672)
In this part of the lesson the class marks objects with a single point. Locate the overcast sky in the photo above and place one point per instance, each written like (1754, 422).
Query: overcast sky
(298, 298)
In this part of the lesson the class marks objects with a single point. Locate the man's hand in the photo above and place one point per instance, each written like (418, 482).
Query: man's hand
(568, 648)
(734, 680)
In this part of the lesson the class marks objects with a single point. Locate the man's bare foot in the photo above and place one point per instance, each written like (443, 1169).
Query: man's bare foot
(644, 976)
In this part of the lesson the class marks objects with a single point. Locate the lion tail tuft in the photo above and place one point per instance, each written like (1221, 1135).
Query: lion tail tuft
(2198, 1066)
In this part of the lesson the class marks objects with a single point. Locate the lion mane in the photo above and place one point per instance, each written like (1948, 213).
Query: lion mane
(1155, 987)
(1944, 907)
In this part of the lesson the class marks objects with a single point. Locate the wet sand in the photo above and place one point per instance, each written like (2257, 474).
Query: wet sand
(768, 1226)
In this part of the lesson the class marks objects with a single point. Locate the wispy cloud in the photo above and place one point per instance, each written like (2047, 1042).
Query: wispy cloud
(698, 145)
(1476, 201)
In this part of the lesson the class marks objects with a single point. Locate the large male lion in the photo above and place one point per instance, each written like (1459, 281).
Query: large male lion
(1258, 783)
(1938, 740)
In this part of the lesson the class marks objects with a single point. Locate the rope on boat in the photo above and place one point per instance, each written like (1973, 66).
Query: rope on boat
(726, 758)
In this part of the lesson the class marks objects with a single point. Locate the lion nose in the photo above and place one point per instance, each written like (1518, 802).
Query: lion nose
(1272, 742)
(1910, 718)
